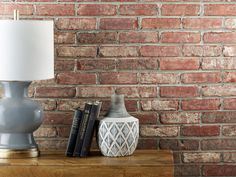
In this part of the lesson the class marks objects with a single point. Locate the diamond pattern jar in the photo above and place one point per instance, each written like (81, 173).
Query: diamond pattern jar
(118, 132)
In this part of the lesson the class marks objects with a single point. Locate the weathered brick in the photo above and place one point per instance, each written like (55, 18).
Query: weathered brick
(138, 37)
(118, 23)
(65, 51)
(175, 63)
(47, 105)
(202, 23)
(220, 9)
(96, 64)
(179, 91)
(180, 118)
(96, 9)
(229, 77)
(76, 23)
(157, 105)
(202, 50)
(163, 51)
(208, 130)
(201, 157)
(146, 117)
(219, 37)
(97, 38)
(180, 9)
(159, 78)
(137, 64)
(95, 91)
(229, 51)
(46, 132)
(55, 9)
(57, 118)
(64, 38)
(144, 143)
(201, 104)
(230, 23)
(187, 170)
(219, 170)
(138, 9)
(118, 51)
(229, 130)
(51, 144)
(229, 157)
(63, 132)
(180, 37)
(219, 117)
(201, 77)
(55, 92)
(153, 130)
(118, 78)
(229, 103)
(76, 78)
(218, 63)
(225, 90)
(178, 145)
(218, 144)
(64, 65)
(8, 8)
(161, 23)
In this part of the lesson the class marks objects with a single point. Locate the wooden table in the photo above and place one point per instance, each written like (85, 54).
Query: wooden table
(145, 163)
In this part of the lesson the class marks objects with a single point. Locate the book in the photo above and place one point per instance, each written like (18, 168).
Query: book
(82, 128)
(95, 110)
(74, 132)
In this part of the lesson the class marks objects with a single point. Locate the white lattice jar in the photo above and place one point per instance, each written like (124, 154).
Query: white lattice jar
(118, 132)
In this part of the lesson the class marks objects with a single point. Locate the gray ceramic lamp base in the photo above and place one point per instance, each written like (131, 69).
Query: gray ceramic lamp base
(19, 118)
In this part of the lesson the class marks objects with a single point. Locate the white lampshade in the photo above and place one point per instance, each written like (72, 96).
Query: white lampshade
(26, 50)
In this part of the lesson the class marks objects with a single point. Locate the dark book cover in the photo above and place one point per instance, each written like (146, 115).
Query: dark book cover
(74, 132)
(82, 128)
(95, 110)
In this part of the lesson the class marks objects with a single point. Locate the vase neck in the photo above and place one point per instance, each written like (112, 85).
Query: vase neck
(15, 89)
(117, 109)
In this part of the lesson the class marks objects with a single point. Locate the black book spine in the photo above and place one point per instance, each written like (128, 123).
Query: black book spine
(95, 110)
(82, 128)
(73, 132)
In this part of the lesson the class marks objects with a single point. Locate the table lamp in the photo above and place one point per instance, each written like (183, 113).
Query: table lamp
(26, 54)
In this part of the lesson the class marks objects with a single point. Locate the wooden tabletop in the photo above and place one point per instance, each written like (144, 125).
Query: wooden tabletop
(153, 163)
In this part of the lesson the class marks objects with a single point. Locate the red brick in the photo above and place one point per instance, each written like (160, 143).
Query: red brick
(201, 157)
(203, 77)
(51, 144)
(65, 51)
(159, 131)
(208, 130)
(201, 104)
(55, 9)
(70, 104)
(226, 90)
(187, 170)
(159, 78)
(229, 51)
(218, 63)
(229, 157)
(131, 105)
(202, 23)
(179, 63)
(179, 91)
(46, 132)
(202, 50)
(137, 64)
(138, 9)
(180, 118)
(219, 117)
(118, 51)
(8, 8)
(219, 170)
(128, 91)
(180, 37)
(47, 105)
(64, 65)
(218, 144)
(229, 103)
(57, 118)
(98, 37)
(64, 38)
(63, 132)
(219, 37)
(161, 23)
(178, 145)
(76, 23)
(138, 37)
(96, 9)
(220, 9)
(229, 77)
(230, 23)
(146, 117)
(96, 64)
(147, 143)
(180, 9)
(118, 23)
(76, 78)
(95, 91)
(163, 51)
(118, 78)
(148, 92)
(157, 105)
(55, 92)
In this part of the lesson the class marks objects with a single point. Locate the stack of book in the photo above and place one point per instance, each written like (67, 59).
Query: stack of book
(82, 130)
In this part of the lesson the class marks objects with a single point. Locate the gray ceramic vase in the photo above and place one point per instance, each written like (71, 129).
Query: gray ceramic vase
(118, 132)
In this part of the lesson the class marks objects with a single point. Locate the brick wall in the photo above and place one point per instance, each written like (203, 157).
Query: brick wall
(174, 60)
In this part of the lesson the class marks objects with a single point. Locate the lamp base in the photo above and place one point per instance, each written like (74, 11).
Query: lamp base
(13, 154)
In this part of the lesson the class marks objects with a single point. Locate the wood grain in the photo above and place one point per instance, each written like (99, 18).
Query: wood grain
(145, 163)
